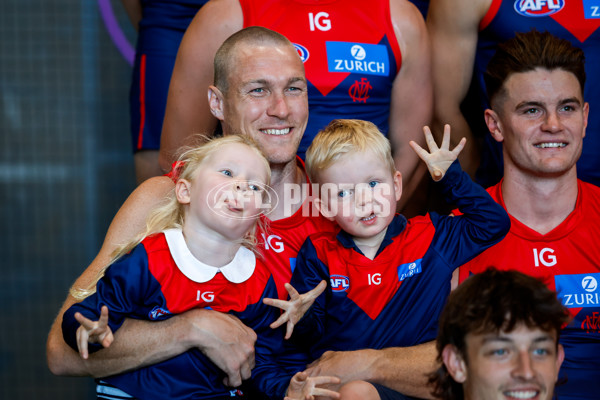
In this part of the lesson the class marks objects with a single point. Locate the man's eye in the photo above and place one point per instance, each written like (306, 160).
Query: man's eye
(226, 172)
(541, 352)
(531, 111)
(498, 352)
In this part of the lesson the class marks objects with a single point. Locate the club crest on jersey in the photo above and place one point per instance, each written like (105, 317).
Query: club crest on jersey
(339, 283)
(362, 58)
(158, 312)
(538, 8)
(302, 52)
(579, 290)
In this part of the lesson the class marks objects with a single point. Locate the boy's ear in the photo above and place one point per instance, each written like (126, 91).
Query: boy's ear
(323, 208)
(398, 185)
(215, 102)
(183, 191)
(454, 363)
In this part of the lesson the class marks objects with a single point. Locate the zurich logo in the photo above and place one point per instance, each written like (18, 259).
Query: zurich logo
(538, 8)
(302, 52)
(589, 283)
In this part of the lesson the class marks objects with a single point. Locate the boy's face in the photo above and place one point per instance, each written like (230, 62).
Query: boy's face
(521, 364)
(360, 193)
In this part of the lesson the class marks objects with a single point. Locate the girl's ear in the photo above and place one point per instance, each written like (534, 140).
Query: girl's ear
(183, 191)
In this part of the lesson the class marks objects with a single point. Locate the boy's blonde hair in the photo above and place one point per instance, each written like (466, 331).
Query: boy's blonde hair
(170, 214)
(343, 136)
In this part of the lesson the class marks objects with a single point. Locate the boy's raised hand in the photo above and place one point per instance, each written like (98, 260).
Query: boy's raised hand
(438, 159)
(295, 307)
(93, 332)
(303, 387)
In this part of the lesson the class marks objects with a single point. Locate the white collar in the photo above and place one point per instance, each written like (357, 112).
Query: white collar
(237, 271)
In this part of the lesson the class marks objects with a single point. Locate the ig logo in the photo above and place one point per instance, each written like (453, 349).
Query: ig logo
(321, 21)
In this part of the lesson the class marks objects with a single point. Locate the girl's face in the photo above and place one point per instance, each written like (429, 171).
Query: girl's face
(226, 195)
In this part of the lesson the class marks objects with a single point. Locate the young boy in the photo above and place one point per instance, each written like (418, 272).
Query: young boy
(388, 277)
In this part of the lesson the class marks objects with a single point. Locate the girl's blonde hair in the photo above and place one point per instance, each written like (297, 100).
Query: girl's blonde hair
(170, 214)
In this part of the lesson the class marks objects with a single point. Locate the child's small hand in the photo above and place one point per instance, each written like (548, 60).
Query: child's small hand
(303, 387)
(93, 332)
(296, 307)
(438, 159)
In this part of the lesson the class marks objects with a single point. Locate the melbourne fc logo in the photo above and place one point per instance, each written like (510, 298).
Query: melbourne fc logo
(157, 312)
(302, 52)
(538, 8)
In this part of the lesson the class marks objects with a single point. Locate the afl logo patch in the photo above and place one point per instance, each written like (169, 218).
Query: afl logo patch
(538, 8)
(302, 52)
(339, 283)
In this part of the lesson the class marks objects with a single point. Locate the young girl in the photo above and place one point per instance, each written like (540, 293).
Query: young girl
(197, 251)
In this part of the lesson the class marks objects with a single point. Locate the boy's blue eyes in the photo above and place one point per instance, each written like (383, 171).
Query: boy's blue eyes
(344, 193)
(227, 172)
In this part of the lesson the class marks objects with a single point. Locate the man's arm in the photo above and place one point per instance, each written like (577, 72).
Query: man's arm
(412, 94)
(222, 337)
(187, 112)
(453, 28)
(403, 369)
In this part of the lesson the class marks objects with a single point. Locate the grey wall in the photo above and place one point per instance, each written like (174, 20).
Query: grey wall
(65, 167)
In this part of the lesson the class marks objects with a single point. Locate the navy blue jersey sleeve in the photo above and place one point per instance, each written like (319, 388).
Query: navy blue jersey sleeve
(127, 289)
(309, 272)
(482, 224)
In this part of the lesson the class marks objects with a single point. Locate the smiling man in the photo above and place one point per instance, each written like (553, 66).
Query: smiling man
(539, 115)
(500, 346)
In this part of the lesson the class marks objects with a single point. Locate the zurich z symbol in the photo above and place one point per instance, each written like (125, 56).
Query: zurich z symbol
(339, 283)
(538, 8)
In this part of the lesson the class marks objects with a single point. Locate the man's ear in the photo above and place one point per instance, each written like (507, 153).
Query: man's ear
(455, 364)
(398, 185)
(323, 208)
(492, 120)
(215, 102)
(183, 191)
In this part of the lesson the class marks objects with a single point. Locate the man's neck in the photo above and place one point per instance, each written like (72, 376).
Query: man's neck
(283, 178)
(540, 203)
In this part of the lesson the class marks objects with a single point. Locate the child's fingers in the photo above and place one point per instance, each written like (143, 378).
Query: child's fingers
(429, 139)
(421, 152)
(85, 322)
(283, 318)
(291, 291)
(82, 342)
(459, 146)
(103, 321)
(316, 292)
(446, 137)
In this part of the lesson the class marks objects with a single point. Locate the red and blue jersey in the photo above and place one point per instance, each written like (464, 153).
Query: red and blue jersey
(350, 54)
(574, 20)
(396, 298)
(158, 279)
(567, 259)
